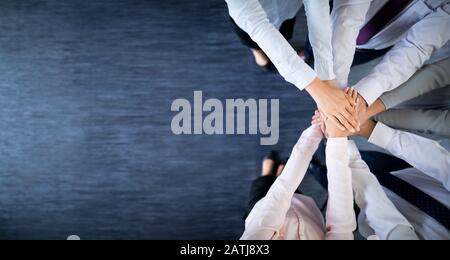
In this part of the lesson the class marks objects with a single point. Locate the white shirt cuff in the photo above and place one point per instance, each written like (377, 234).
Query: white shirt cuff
(369, 90)
(352, 148)
(325, 70)
(301, 75)
(338, 142)
(381, 135)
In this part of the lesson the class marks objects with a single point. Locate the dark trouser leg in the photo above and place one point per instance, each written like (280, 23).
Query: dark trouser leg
(381, 163)
(259, 190)
(286, 29)
(308, 51)
(320, 175)
(377, 162)
(364, 56)
(361, 56)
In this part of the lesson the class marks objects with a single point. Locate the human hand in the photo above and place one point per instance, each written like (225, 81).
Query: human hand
(362, 110)
(327, 127)
(335, 104)
(317, 120)
(366, 113)
(367, 129)
(331, 130)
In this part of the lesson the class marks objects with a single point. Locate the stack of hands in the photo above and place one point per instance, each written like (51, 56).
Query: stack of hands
(354, 118)
(335, 104)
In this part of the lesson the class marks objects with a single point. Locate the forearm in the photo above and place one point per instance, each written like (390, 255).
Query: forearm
(407, 56)
(423, 154)
(434, 122)
(269, 214)
(298, 163)
(340, 216)
(381, 215)
(429, 78)
(348, 17)
(251, 17)
(319, 28)
(376, 108)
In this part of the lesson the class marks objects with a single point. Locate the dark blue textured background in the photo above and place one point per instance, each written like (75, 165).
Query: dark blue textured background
(85, 141)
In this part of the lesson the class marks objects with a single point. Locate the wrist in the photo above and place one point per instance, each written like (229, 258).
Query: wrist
(367, 129)
(362, 100)
(337, 134)
(333, 132)
(315, 88)
(376, 108)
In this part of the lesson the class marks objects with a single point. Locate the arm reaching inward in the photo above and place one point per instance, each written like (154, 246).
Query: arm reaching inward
(340, 216)
(423, 154)
(268, 215)
(381, 215)
(407, 56)
(251, 17)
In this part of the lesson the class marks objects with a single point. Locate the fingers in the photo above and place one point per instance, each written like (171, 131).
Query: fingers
(355, 95)
(356, 99)
(337, 123)
(341, 109)
(343, 120)
(350, 100)
(316, 122)
(318, 114)
(324, 129)
(316, 119)
(350, 119)
(351, 113)
(352, 95)
(338, 120)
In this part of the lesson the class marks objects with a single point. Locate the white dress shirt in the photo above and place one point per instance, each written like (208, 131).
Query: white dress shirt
(379, 218)
(430, 174)
(279, 11)
(421, 29)
(262, 19)
(395, 30)
(281, 214)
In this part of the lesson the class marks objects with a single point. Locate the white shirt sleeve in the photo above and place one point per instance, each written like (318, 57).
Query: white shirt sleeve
(340, 215)
(348, 17)
(407, 56)
(319, 28)
(251, 17)
(424, 154)
(268, 215)
(379, 212)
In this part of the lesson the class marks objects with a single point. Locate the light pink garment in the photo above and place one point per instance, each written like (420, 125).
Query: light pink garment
(283, 215)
